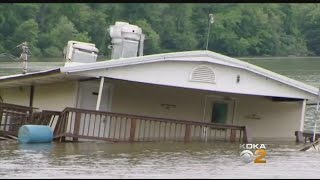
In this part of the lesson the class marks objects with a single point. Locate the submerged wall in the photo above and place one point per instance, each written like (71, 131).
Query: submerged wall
(269, 119)
(263, 117)
(55, 96)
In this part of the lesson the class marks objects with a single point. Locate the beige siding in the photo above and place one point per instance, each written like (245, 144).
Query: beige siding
(55, 96)
(146, 100)
(278, 119)
(16, 95)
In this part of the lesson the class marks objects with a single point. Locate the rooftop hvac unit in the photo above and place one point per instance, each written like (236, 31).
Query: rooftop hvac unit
(81, 52)
(127, 40)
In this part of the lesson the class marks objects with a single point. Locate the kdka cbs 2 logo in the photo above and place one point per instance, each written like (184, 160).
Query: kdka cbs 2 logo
(255, 153)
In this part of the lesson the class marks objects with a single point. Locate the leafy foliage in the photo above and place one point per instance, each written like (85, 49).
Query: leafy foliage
(238, 30)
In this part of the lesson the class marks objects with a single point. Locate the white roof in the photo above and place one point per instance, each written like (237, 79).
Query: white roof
(192, 56)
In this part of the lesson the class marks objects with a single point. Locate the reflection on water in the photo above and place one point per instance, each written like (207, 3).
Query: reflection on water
(36, 147)
(152, 160)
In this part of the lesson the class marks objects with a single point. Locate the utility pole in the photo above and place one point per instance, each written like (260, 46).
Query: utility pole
(211, 21)
(24, 56)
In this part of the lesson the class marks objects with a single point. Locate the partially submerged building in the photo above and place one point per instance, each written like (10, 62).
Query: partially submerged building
(187, 95)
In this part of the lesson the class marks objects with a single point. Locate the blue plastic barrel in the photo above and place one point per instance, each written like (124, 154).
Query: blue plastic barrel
(35, 134)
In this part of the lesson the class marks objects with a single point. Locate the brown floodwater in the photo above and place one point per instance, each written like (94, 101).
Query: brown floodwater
(152, 160)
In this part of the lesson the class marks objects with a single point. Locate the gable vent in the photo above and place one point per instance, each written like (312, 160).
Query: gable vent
(203, 73)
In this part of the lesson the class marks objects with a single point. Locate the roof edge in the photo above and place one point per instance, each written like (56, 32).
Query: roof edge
(21, 76)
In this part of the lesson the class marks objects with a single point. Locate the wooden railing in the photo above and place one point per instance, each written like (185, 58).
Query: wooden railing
(46, 117)
(74, 124)
(78, 124)
(12, 117)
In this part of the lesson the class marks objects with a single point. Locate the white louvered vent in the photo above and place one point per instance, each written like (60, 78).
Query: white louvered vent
(203, 73)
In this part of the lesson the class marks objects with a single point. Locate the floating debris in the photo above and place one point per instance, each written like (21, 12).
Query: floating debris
(312, 147)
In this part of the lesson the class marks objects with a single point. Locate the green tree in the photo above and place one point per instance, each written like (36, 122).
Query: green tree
(152, 41)
(238, 30)
(59, 36)
(311, 28)
(27, 31)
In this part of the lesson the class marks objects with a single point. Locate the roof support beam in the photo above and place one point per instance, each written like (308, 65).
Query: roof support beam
(31, 95)
(303, 112)
(100, 93)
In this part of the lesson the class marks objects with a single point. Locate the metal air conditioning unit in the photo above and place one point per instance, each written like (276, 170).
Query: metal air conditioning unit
(127, 40)
(80, 52)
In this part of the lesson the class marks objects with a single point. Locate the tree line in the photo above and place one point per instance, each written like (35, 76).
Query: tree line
(238, 29)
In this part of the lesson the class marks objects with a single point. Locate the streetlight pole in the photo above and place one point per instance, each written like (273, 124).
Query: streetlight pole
(211, 21)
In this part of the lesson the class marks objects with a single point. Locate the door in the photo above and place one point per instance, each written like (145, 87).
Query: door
(88, 95)
(87, 99)
(219, 112)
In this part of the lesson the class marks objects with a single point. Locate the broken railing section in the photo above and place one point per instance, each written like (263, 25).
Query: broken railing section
(305, 136)
(76, 124)
(12, 117)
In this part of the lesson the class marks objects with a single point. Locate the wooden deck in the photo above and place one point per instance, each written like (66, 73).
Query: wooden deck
(74, 124)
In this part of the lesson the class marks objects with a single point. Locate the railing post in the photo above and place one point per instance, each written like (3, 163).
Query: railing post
(57, 126)
(132, 129)
(11, 124)
(233, 135)
(5, 122)
(1, 116)
(246, 135)
(299, 136)
(60, 121)
(76, 126)
(187, 134)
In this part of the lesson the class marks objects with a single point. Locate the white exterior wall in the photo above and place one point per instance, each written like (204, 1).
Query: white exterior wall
(278, 119)
(273, 119)
(177, 74)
